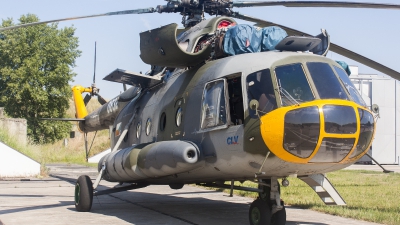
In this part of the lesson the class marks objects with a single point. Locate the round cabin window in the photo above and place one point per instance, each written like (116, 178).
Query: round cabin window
(178, 117)
(148, 126)
(138, 127)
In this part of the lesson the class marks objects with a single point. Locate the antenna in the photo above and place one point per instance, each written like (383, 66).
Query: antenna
(94, 75)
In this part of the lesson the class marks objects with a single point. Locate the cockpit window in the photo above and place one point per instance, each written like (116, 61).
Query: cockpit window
(326, 82)
(213, 105)
(260, 88)
(293, 85)
(350, 86)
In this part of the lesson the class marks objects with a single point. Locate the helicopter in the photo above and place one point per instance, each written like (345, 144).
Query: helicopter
(211, 111)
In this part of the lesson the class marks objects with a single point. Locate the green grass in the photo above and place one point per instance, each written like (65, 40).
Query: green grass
(370, 196)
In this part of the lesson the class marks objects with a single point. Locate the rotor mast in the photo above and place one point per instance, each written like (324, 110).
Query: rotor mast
(193, 11)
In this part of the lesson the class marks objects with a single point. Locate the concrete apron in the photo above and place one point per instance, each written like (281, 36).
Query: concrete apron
(51, 201)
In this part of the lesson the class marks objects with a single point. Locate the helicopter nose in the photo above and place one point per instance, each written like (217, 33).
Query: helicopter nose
(322, 131)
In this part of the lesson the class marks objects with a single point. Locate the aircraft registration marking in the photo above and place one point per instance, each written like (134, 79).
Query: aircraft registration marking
(232, 140)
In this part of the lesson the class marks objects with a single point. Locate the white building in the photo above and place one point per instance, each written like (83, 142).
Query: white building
(385, 92)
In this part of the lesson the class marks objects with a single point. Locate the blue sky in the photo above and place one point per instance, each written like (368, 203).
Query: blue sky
(374, 33)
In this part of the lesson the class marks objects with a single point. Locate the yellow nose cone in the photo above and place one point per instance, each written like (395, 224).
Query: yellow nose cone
(321, 131)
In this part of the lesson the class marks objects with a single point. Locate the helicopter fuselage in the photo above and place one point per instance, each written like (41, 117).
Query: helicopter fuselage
(243, 117)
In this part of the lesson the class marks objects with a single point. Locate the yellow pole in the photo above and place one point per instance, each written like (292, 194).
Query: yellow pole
(80, 107)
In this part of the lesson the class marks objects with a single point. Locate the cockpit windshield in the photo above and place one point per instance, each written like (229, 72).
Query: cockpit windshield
(350, 86)
(293, 85)
(296, 86)
(326, 82)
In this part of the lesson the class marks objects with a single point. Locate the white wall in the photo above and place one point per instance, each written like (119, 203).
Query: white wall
(382, 91)
(15, 164)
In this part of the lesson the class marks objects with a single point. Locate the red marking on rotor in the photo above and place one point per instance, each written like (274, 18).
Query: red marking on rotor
(225, 23)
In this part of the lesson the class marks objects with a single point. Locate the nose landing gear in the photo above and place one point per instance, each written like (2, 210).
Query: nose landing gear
(268, 209)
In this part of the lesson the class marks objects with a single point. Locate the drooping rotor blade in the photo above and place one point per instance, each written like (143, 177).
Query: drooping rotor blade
(94, 73)
(125, 12)
(101, 100)
(364, 60)
(338, 4)
(87, 99)
(333, 47)
(62, 119)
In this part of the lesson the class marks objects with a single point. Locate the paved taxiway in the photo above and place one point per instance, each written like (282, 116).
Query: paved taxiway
(50, 201)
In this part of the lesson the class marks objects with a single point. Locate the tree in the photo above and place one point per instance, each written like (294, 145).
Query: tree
(35, 68)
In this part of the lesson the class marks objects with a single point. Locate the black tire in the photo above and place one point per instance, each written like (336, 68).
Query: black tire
(279, 218)
(83, 194)
(259, 213)
(176, 186)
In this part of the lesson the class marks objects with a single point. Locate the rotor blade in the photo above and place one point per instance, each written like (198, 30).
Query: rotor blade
(125, 12)
(101, 100)
(87, 99)
(264, 23)
(364, 60)
(62, 119)
(94, 74)
(340, 4)
(333, 47)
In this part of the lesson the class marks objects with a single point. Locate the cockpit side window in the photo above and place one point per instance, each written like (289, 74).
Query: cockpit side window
(293, 84)
(326, 82)
(214, 105)
(350, 86)
(260, 88)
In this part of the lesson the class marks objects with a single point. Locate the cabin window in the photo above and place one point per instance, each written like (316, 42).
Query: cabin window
(213, 106)
(178, 117)
(350, 86)
(293, 84)
(326, 82)
(138, 128)
(260, 88)
(148, 126)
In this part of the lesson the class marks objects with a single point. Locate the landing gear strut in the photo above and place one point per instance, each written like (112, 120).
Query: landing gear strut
(268, 209)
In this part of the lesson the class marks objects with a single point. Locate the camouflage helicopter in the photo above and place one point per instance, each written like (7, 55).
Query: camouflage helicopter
(226, 102)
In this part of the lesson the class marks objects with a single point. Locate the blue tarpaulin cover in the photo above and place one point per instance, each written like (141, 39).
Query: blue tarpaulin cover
(345, 66)
(244, 38)
(271, 37)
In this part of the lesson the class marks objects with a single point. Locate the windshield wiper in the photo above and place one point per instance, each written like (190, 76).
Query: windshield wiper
(288, 96)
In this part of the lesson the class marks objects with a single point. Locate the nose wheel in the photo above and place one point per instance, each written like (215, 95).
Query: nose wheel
(268, 209)
(259, 213)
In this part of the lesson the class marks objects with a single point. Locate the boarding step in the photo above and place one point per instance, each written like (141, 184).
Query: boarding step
(323, 187)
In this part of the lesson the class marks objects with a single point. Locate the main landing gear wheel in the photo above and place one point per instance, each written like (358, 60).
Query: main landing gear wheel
(259, 213)
(83, 194)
